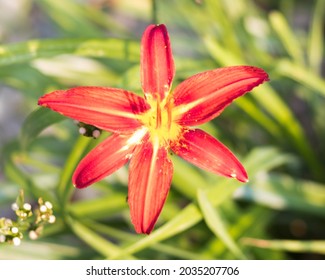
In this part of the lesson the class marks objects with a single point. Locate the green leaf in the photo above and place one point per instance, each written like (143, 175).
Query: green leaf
(316, 37)
(287, 245)
(281, 192)
(40, 250)
(71, 16)
(263, 159)
(11, 160)
(100, 207)
(65, 188)
(127, 237)
(216, 224)
(36, 122)
(187, 218)
(97, 242)
(189, 184)
(301, 75)
(287, 37)
(118, 49)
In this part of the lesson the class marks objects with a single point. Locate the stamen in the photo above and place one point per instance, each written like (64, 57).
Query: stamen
(169, 112)
(158, 120)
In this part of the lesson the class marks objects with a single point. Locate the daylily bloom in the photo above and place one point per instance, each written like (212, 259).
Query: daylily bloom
(145, 128)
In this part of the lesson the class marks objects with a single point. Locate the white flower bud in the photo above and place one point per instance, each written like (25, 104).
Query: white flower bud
(16, 241)
(33, 235)
(14, 206)
(27, 207)
(14, 230)
(51, 219)
(82, 130)
(96, 133)
(43, 208)
(48, 205)
(2, 238)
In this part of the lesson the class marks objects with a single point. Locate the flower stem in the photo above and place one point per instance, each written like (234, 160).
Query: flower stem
(154, 12)
(64, 188)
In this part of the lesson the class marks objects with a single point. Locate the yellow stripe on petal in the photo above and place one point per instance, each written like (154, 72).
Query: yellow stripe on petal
(149, 181)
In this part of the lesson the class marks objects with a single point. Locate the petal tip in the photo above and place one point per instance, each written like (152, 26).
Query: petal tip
(240, 177)
(78, 186)
(142, 230)
(157, 63)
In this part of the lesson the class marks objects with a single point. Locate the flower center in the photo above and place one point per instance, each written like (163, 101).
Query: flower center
(159, 121)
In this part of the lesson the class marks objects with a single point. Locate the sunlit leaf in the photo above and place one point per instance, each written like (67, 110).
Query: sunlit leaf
(286, 35)
(298, 246)
(282, 192)
(97, 242)
(36, 122)
(316, 37)
(217, 225)
(108, 48)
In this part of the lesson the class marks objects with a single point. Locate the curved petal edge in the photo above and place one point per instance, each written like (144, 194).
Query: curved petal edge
(204, 96)
(104, 159)
(206, 152)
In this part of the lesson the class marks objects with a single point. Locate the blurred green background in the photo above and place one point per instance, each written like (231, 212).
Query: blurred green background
(277, 131)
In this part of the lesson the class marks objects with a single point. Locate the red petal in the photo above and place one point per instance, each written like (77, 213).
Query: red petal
(105, 159)
(206, 152)
(150, 178)
(157, 63)
(107, 108)
(202, 97)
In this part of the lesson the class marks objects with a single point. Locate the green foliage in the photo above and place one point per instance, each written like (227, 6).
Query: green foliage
(277, 131)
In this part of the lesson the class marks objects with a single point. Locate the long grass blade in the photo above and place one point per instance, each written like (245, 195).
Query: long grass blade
(216, 223)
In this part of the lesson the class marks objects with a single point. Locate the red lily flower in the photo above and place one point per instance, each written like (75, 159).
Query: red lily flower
(144, 129)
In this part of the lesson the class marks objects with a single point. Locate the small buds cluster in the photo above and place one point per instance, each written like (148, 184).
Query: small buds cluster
(9, 232)
(45, 212)
(23, 211)
(88, 130)
(33, 223)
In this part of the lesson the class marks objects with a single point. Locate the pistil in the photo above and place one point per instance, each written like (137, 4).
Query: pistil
(158, 117)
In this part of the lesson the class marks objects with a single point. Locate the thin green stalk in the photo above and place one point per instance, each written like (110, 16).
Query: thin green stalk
(313, 246)
(154, 12)
(128, 237)
(316, 38)
(44, 167)
(97, 242)
(287, 37)
(65, 187)
(216, 224)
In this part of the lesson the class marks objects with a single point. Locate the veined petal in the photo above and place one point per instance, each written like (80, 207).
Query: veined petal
(206, 152)
(110, 109)
(150, 178)
(106, 158)
(202, 97)
(157, 63)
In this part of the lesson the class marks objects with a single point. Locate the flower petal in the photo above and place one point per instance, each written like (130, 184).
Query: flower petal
(150, 178)
(106, 108)
(157, 63)
(203, 96)
(106, 158)
(206, 152)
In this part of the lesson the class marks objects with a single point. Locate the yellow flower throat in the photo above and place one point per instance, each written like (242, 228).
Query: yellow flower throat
(159, 121)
